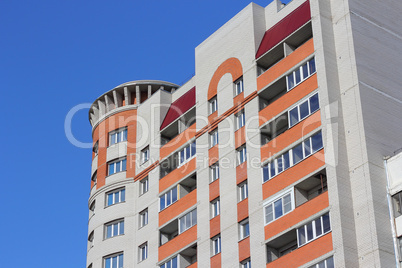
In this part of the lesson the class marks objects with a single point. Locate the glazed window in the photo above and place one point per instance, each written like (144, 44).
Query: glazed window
(216, 245)
(143, 217)
(244, 227)
(279, 207)
(213, 105)
(239, 87)
(243, 191)
(213, 138)
(117, 166)
(187, 153)
(114, 228)
(303, 110)
(215, 208)
(114, 261)
(116, 196)
(187, 221)
(168, 198)
(328, 263)
(144, 185)
(313, 230)
(172, 263)
(241, 154)
(117, 136)
(214, 170)
(300, 74)
(144, 155)
(143, 252)
(240, 119)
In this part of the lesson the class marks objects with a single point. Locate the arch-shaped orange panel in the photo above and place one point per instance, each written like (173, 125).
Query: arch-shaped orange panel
(232, 66)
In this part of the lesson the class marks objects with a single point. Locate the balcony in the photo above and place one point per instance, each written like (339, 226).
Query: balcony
(178, 141)
(277, 61)
(178, 207)
(177, 242)
(177, 127)
(305, 167)
(176, 174)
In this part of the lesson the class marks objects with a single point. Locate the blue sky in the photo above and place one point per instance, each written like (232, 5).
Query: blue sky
(55, 55)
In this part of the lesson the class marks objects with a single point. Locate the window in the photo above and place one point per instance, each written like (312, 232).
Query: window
(187, 153)
(214, 171)
(215, 208)
(117, 136)
(313, 230)
(114, 261)
(239, 88)
(117, 166)
(244, 229)
(91, 240)
(144, 155)
(95, 148)
(173, 263)
(187, 221)
(241, 155)
(92, 206)
(144, 185)
(279, 207)
(300, 74)
(243, 191)
(328, 263)
(397, 204)
(114, 229)
(94, 177)
(292, 157)
(303, 110)
(115, 197)
(213, 138)
(213, 105)
(246, 264)
(143, 252)
(216, 245)
(240, 119)
(168, 198)
(143, 218)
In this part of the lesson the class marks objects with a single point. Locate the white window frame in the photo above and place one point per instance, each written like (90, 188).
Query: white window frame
(191, 148)
(119, 259)
(143, 252)
(271, 202)
(243, 190)
(328, 263)
(239, 86)
(298, 107)
(299, 69)
(117, 224)
(241, 153)
(215, 207)
(145, 155)
(118, 196)
(313, 224)
(213, 138)
(166, 195)
(187, 221)
(143, 218)
(144, 185)
(246, 263)
(95, 148)
(240, 118)
(117, 166)
(214, 171)
(170, 262)
(216, 245)
(244, 227)
(117, 135)
(276, 166)
(213, 105)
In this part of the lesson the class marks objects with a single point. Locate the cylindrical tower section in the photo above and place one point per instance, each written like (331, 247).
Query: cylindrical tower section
(111, 225)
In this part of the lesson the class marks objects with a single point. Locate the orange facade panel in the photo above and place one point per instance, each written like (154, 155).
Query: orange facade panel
(212, 117)
(238, 98)
(194, 265)
(289, 99)
(101, 133)
(304, 254)
(297, 215)
(215, 226)
(291, 135)
(213, 154)
(178, 207)
(285, 64)
(177, 174)
(293, 174)
(216, 261)
(182, 240)
(242, 210)
(241, 172)
(240, 137)
(178, 141)
(244, 249)
(213, 190)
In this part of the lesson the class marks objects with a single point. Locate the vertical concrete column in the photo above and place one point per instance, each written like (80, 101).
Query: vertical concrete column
(127, 96)
(102, 108)
(137, 94)
(118, 100)
(109, 103)
(149, 91)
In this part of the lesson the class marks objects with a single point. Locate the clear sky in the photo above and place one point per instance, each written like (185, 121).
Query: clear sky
(55, 55)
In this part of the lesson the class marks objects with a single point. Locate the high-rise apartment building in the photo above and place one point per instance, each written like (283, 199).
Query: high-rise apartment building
(272, 155)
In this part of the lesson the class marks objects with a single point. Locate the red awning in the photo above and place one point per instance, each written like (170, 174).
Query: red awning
(285, 27)
(179, 107)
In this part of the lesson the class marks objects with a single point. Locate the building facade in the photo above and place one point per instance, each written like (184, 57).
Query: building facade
(272, 155)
